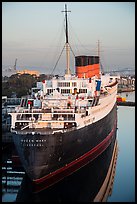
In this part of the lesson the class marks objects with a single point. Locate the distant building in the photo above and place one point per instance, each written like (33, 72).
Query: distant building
(32, 72)
(126, 83)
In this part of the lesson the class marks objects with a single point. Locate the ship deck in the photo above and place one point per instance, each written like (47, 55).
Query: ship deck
(42, 131)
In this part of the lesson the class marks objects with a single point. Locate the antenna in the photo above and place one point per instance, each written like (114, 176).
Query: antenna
(101, 66)
(66, 22)
(99, 50)
(67, 43)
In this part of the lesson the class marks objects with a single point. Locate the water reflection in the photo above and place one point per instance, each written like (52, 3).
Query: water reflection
(12, 174)
(93, 182)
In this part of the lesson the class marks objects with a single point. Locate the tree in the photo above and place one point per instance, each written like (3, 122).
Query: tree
(20, 84)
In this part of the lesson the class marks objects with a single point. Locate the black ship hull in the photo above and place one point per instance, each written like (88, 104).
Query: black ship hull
(82, 186)
(50, 158)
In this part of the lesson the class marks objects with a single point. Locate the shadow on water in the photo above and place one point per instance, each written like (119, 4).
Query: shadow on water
(12, 174)
(91, 183)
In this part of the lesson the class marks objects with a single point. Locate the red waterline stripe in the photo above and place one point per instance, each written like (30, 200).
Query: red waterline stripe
(68, 169)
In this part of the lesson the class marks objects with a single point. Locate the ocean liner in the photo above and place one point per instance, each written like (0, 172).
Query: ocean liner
(67, 121)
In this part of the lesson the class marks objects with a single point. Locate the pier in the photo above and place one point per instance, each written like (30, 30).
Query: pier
(126, 103)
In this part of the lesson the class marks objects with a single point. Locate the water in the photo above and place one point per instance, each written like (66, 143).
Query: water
(124, 184)
(124, 181)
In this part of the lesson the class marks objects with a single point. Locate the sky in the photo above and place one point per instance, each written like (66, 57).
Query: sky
(34, 33)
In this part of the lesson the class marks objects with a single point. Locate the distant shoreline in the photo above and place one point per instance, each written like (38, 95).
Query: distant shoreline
(125, 90)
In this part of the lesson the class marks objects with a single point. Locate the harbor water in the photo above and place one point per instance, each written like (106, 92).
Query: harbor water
(123, 189)
(124, 183)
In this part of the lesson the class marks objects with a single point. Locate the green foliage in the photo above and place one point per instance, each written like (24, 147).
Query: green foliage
(20, 84)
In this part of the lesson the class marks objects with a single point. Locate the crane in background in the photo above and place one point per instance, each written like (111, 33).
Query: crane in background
(14, 68)
(15, 64)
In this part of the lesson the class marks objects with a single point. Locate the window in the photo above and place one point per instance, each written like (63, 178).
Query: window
(82, 90)
(65, 91)
(63, 84)
(74, 84)
(49, 91)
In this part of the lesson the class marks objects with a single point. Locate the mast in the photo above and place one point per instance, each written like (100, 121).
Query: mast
(67, 44)
(100, 65)
(99, 51)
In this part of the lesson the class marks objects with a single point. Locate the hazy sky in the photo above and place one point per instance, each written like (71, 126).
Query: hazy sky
(33, 32)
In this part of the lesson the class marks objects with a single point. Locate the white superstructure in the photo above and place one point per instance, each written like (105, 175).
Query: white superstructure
(65, 103)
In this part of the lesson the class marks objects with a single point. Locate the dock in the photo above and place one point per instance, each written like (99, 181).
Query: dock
(126, 103)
